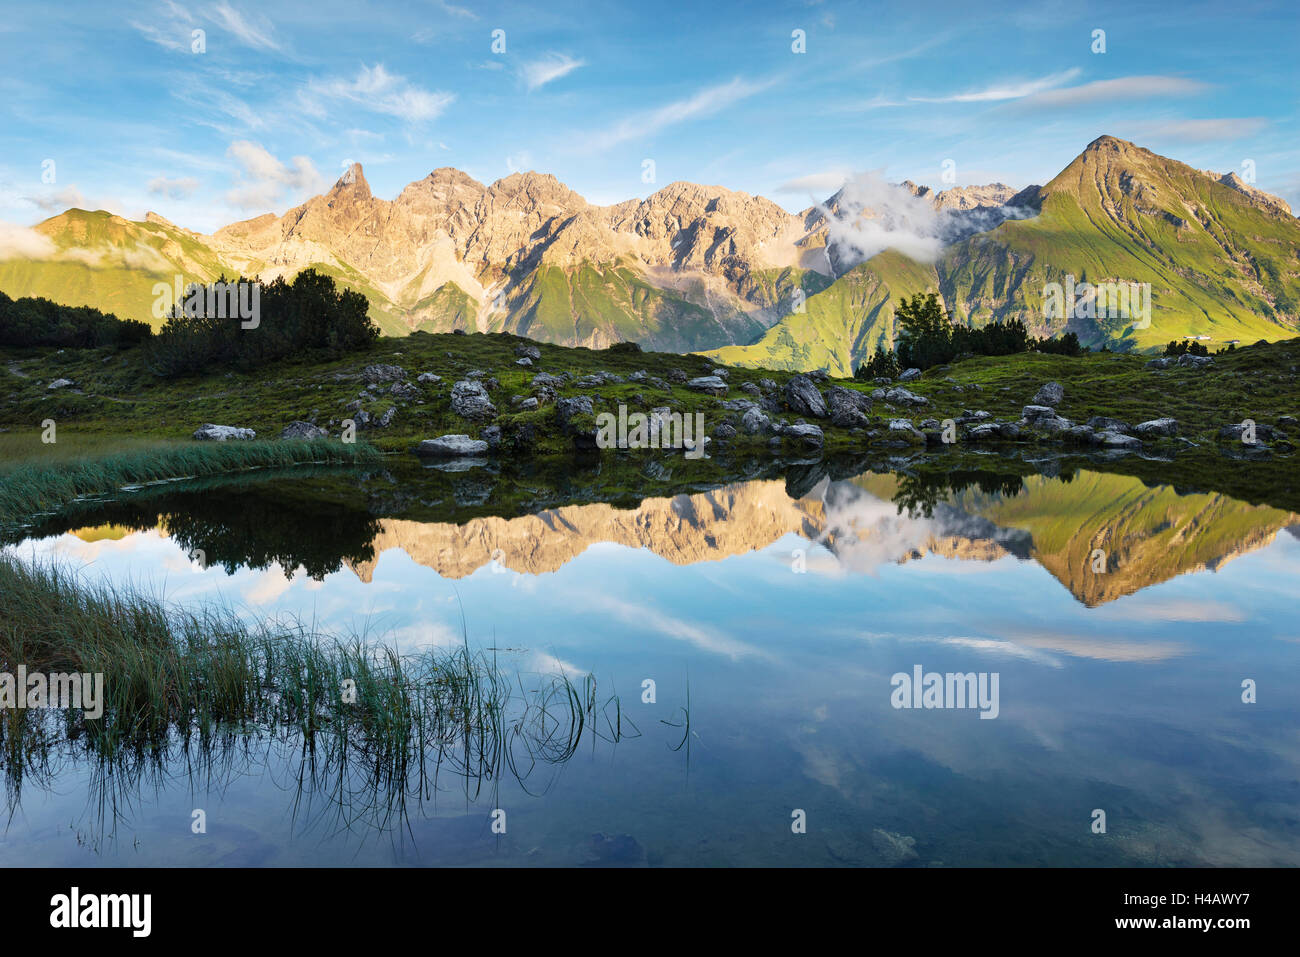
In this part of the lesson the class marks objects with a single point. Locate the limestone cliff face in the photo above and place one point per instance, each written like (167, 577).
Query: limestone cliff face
(726, 254)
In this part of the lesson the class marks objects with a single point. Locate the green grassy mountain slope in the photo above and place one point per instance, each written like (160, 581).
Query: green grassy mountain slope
(1219, 261)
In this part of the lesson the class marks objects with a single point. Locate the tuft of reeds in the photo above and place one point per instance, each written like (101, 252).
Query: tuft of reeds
(374, 726)
(34, 487)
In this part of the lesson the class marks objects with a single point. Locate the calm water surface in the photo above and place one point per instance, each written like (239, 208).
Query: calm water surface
(771, 625)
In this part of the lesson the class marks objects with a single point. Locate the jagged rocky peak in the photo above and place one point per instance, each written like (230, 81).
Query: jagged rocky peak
(353, 180)
(1258, 198)
(531, 190)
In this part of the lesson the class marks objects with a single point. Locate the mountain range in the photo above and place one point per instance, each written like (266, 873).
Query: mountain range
(704, 268)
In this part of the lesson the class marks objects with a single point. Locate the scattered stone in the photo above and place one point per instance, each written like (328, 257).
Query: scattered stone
(803, 398)
(1081, 435)
(526, 350)
(428, 378)
(1118, 440)
(470, 400)
(386, 419)
(1103, 423)
(1186, 361)
(819, 375)
(569, 408)
(709, 384)
(59, 384)
(1051, 394)
(750, 388)
(492, 436)
(303, 430)
(810, 435)
(1156, 428)
(529, 404)
(905, 427)
(755, 422)
(900, 396)
(451, 446)
(524, 361)
(767, 385)
(406, 391)
(222, 433)
(909, 375)
(383, 373)
(720, 372)
(677, 375)
(723, 431)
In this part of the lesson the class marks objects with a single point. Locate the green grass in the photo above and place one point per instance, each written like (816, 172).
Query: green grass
(36, 485)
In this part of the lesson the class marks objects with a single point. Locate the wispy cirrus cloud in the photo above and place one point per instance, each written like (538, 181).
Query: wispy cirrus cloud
(1121, 89)
(172, 25)
(1208, 131)
(254, 31)
(379, 91)
(706, 102)
(1010, 90)
(538, 73)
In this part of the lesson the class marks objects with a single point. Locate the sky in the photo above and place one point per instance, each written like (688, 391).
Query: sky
(123, 106)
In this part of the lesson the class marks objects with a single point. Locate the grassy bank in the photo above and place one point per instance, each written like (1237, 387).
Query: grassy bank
(175, 680)
(32, 482)
(114, 394)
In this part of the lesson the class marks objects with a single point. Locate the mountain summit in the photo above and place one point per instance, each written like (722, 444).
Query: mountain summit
(695, 267)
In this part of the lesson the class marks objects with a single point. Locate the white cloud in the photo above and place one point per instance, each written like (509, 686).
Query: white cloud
(20, 242)
(379, 91)
(1008, 91)
(520, 162)
(704, 103)
(816, 183)
(264, 179)
(178, 188)
(1123, 89)
(551, 67)
(60, 199)
(255, 34)
(1208, 131)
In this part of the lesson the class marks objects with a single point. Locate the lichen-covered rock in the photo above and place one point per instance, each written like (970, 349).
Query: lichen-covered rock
(303, 430)
(222, 433)
(383, 373)
(803, 398)
(1051, 394)
(708, 384)
(1156, 428)
(469, 400)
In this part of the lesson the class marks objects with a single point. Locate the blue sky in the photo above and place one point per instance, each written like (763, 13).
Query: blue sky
(284, 94)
